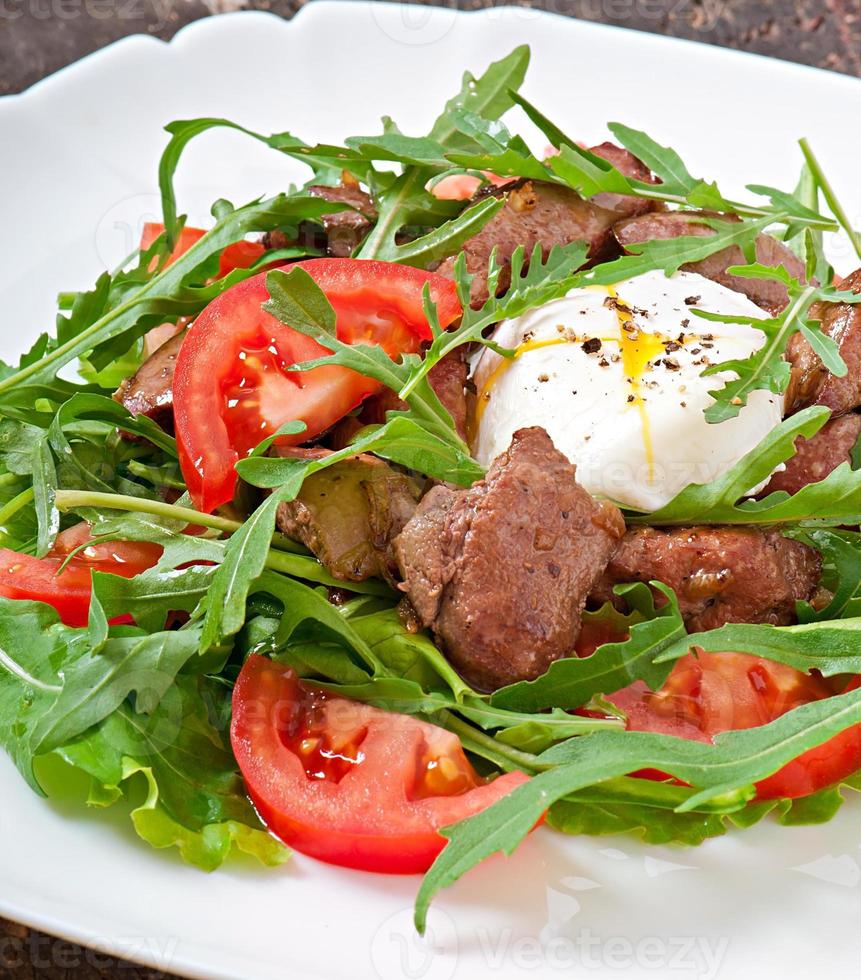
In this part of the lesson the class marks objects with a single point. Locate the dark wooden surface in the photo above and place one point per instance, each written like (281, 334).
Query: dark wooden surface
(826, 33)
(39, 36)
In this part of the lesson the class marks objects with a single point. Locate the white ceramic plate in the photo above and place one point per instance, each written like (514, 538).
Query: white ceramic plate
(78, 159)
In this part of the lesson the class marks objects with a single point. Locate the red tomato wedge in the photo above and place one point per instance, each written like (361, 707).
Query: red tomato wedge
(348, 783)
(710, 693)
(69, 591)
(231, 388)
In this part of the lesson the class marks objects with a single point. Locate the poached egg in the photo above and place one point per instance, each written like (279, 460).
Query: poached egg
(613, 373)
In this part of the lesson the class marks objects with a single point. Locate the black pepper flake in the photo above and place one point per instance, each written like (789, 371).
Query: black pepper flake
(683, 404)
(671, 364)
(696, 350)
(692, 300)
(672, 346)
(630, 398)
(603, 362)
(591, 346)
(685, 323)
(708, 336)
(707, 345)
(543, 377)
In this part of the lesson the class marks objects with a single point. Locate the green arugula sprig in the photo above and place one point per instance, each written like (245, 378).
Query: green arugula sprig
(589, 174)
(734, 762)
(120, 308)
(403, 201)
(767, 368)
(832, 502)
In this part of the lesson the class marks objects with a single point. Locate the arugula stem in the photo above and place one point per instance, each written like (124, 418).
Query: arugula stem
(15, 504)
(475, 708)
(285, 556)
(830, 197)
(8, 478)
(155, 476)
(73, 499)
(497, 752)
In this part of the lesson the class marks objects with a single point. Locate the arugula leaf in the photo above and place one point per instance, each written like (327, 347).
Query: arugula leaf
(403, 202)
(571, 682)
(195, 797)
(146, 300)
(95, 685)
(834, 501)
(33, 644)
(531, 286)
(832, 647)
(841, 557)
(626, 804)
(244, 561)
(735, 760)
(401, 439)
(828, 193)
(767, 368)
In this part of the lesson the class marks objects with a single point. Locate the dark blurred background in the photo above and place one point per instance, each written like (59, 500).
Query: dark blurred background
(39, 36)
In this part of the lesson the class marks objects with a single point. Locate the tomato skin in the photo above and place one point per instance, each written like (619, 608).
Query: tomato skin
(69, 592)
(187, 238)
(822, 766)
(372, 816)
(708, 693)
(231, 389)
(239, 255)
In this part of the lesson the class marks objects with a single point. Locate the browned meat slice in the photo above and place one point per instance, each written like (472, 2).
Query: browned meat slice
(767, 294)
(345, 230)
(534, 214)
(348, 515)
(150, 391)
(447, 378)
(811, 383)
(342, 231)
(815, 458)
(720, 574)
(625, 162)
(501, 572)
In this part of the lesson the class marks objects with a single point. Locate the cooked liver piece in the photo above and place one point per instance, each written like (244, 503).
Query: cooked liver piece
(767, 294)
(345, 230)
(348, 515)
(150, 391)
(811, 383)
(501, 571)
(625, 162)
(815, 458)
(720, 574)
(534, 214)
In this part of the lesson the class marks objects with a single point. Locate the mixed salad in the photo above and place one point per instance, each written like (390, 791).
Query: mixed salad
(460, 489)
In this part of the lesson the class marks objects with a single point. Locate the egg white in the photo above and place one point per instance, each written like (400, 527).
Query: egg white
(630, 414)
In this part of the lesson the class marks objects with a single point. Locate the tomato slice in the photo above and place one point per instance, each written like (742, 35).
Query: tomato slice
(348, 783)
(708, 693)
(69, 591)
(231, 387)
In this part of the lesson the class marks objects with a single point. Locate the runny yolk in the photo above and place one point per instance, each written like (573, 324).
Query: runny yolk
(638, 349)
